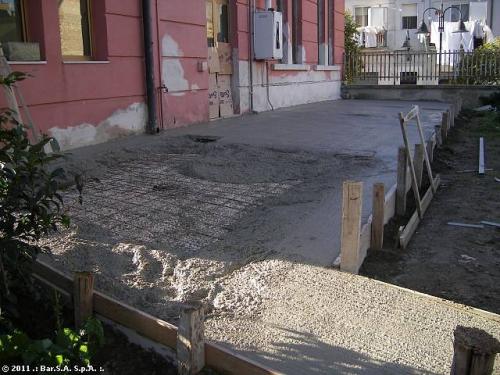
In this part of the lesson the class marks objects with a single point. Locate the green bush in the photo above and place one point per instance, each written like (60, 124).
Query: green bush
(68, 347)
(482, 67)
(30, 207)
(352, 60)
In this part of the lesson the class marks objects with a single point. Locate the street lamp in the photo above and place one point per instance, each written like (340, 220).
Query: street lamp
(424, 30)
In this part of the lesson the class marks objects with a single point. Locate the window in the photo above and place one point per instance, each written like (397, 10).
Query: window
(296, 54)
(409, 16)
(282, 6)
(12, 26)
(455, 14)
(223, 17)
(331, 15)
(75, 30)
(361, 16)
(321, 32)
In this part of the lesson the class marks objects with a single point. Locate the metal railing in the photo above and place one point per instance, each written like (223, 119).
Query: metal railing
(422, 68)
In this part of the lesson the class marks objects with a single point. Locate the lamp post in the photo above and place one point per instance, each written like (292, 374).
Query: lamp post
(424, 30)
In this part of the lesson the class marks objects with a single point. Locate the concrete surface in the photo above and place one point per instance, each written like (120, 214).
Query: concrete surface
(247, 224)
(355, 128)
(321, 321)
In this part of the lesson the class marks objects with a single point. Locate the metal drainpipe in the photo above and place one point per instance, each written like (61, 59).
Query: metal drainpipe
(251, 8)
(152, 125)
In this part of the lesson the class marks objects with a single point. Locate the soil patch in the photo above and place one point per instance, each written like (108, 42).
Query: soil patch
(455, 263)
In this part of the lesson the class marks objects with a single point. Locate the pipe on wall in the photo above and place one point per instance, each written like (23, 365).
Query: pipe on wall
(251, 13)
(152, 124)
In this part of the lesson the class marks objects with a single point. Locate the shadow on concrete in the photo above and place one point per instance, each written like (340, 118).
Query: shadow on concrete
(303, 353)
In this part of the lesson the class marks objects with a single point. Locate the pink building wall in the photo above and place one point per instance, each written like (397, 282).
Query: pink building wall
(88, 102)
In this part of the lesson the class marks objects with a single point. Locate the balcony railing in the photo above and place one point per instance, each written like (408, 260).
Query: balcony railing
(422, 68)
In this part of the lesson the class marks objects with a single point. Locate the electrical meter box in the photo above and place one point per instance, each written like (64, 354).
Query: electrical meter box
(268, 35)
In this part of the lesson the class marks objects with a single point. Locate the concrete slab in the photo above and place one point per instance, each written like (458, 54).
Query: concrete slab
(247, 224)
(367, 128)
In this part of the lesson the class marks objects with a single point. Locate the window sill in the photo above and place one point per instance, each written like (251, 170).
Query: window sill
(303, 67)
(327, 67)
(85, 61)
(27, 62)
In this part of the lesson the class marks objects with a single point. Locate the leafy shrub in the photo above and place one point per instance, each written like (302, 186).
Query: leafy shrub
(30, 205)
(482, 67)
(352, 60)
(68, 347)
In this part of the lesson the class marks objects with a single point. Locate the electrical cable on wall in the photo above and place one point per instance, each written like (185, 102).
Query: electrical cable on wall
(267, 86)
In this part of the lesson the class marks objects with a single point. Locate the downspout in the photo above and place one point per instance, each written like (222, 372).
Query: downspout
(251, 7)
(152, 124)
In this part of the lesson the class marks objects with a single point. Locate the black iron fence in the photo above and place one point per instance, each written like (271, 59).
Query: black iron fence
(422, 68)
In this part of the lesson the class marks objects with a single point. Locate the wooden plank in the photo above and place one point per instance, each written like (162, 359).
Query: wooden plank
(401, 181)
(412, 114)
(437, 130)
(416, 192)
(377, 227)
(419, 162)
(223, 360)
(53, 276)
(414, 221)
(426, 156)
(481, 155)
(82, 297)
(191, 340)
(364, 241)
(146, 325)
(351, 226)
(390, 204)
(444, 125)
(226, 361)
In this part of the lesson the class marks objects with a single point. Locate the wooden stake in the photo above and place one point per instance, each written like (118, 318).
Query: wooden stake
(191, 340)
(377, 240)
(419, 162)
(83, 292)
(474, 352)
(351, 226)
(444, 125)
(439, 139)
(401, 182)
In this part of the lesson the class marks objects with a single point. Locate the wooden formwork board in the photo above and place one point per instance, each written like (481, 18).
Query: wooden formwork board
(415, 219)
(157, 330)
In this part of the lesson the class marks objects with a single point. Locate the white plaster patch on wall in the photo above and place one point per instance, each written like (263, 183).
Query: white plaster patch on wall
(194, 87)
(173, 77)
(170, 48)
(122, 122)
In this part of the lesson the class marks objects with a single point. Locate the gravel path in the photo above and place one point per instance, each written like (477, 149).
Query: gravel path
(317, 320)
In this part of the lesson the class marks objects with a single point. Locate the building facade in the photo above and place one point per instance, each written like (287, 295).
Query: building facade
(398, 18)
(87, 66)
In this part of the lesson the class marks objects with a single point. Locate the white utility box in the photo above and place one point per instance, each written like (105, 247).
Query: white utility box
(268, 35)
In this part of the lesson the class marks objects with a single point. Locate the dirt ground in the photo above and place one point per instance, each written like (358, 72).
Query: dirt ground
(455, 263)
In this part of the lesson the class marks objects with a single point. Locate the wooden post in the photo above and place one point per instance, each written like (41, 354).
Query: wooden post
(191, 340)
(401, 182)
(474, 352)
(351, 226)
(377, 240)
(419, 162)
(444, 125)
(83, 293)
(439, 138)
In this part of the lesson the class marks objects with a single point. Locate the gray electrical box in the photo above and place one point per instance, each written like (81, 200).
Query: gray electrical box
(268, 35)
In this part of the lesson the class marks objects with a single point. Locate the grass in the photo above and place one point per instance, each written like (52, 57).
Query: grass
(486, 124)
